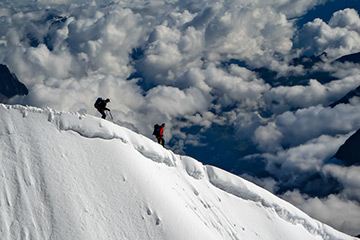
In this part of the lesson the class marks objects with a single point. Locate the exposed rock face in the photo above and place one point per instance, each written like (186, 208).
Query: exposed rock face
(349, 152)
(353, 58)
(347, 97)
(10, 85)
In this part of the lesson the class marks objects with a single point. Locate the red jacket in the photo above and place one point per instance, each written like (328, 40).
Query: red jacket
(161, 131)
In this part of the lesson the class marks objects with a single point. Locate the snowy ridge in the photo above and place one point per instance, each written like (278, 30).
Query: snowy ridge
(249, 191)
(74, 176)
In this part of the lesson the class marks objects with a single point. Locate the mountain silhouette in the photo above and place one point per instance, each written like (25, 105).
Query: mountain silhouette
(353, 58)
(10, 85)
(347, 97)
(349, 152)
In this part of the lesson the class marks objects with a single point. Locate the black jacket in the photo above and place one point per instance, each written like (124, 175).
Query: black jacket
(101, 104)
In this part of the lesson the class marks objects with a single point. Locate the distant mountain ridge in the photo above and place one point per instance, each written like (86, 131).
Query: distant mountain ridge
(347, 97)
(349, 152)
(353, 58)
(10, 85)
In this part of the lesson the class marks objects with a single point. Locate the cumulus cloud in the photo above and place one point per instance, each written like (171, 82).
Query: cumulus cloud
(176, 103)
(294, 128)
(297, 8)
(349, 178)
(284, 98)
(341, 213)
(308, 157)
(347, 18)
(237, 85)
(339, 37)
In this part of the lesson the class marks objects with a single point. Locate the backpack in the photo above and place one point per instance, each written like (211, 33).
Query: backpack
(156, 129)
(98, 103)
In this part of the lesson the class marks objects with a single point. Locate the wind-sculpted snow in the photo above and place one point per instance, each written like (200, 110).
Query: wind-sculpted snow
(193, 168)
(249, 191)
(92, 127)
(74, 176)
(106, 130)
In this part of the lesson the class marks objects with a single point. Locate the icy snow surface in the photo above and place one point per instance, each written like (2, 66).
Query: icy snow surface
(72, 176)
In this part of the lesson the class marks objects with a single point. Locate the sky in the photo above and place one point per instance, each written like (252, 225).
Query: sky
(77, 176)
(225, 77)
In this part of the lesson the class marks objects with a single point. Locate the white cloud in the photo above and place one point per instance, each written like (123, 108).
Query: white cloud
(237, 85)
(347, 18)
(349, 177)
(284, 98)
(173, 102)
(343, 214)
(297, 8)
(307, 158)
(248, 34)
(163, 58)
(340, 37)
(294, 128)
(268, 138)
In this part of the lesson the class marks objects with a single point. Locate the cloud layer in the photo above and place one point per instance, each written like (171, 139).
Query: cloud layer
(197, 64)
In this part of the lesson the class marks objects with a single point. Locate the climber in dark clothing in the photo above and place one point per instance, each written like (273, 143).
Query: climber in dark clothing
(100, 105)
(158, 132)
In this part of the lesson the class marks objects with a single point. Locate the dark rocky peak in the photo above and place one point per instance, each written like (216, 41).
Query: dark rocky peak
(10, 85)
(352, 58)
(347, 97)
(349, 152)
(309, 61)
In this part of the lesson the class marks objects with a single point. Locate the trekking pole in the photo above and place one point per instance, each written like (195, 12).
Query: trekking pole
(111, 115)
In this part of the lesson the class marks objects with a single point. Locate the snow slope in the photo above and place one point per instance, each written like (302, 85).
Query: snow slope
(72, 176)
